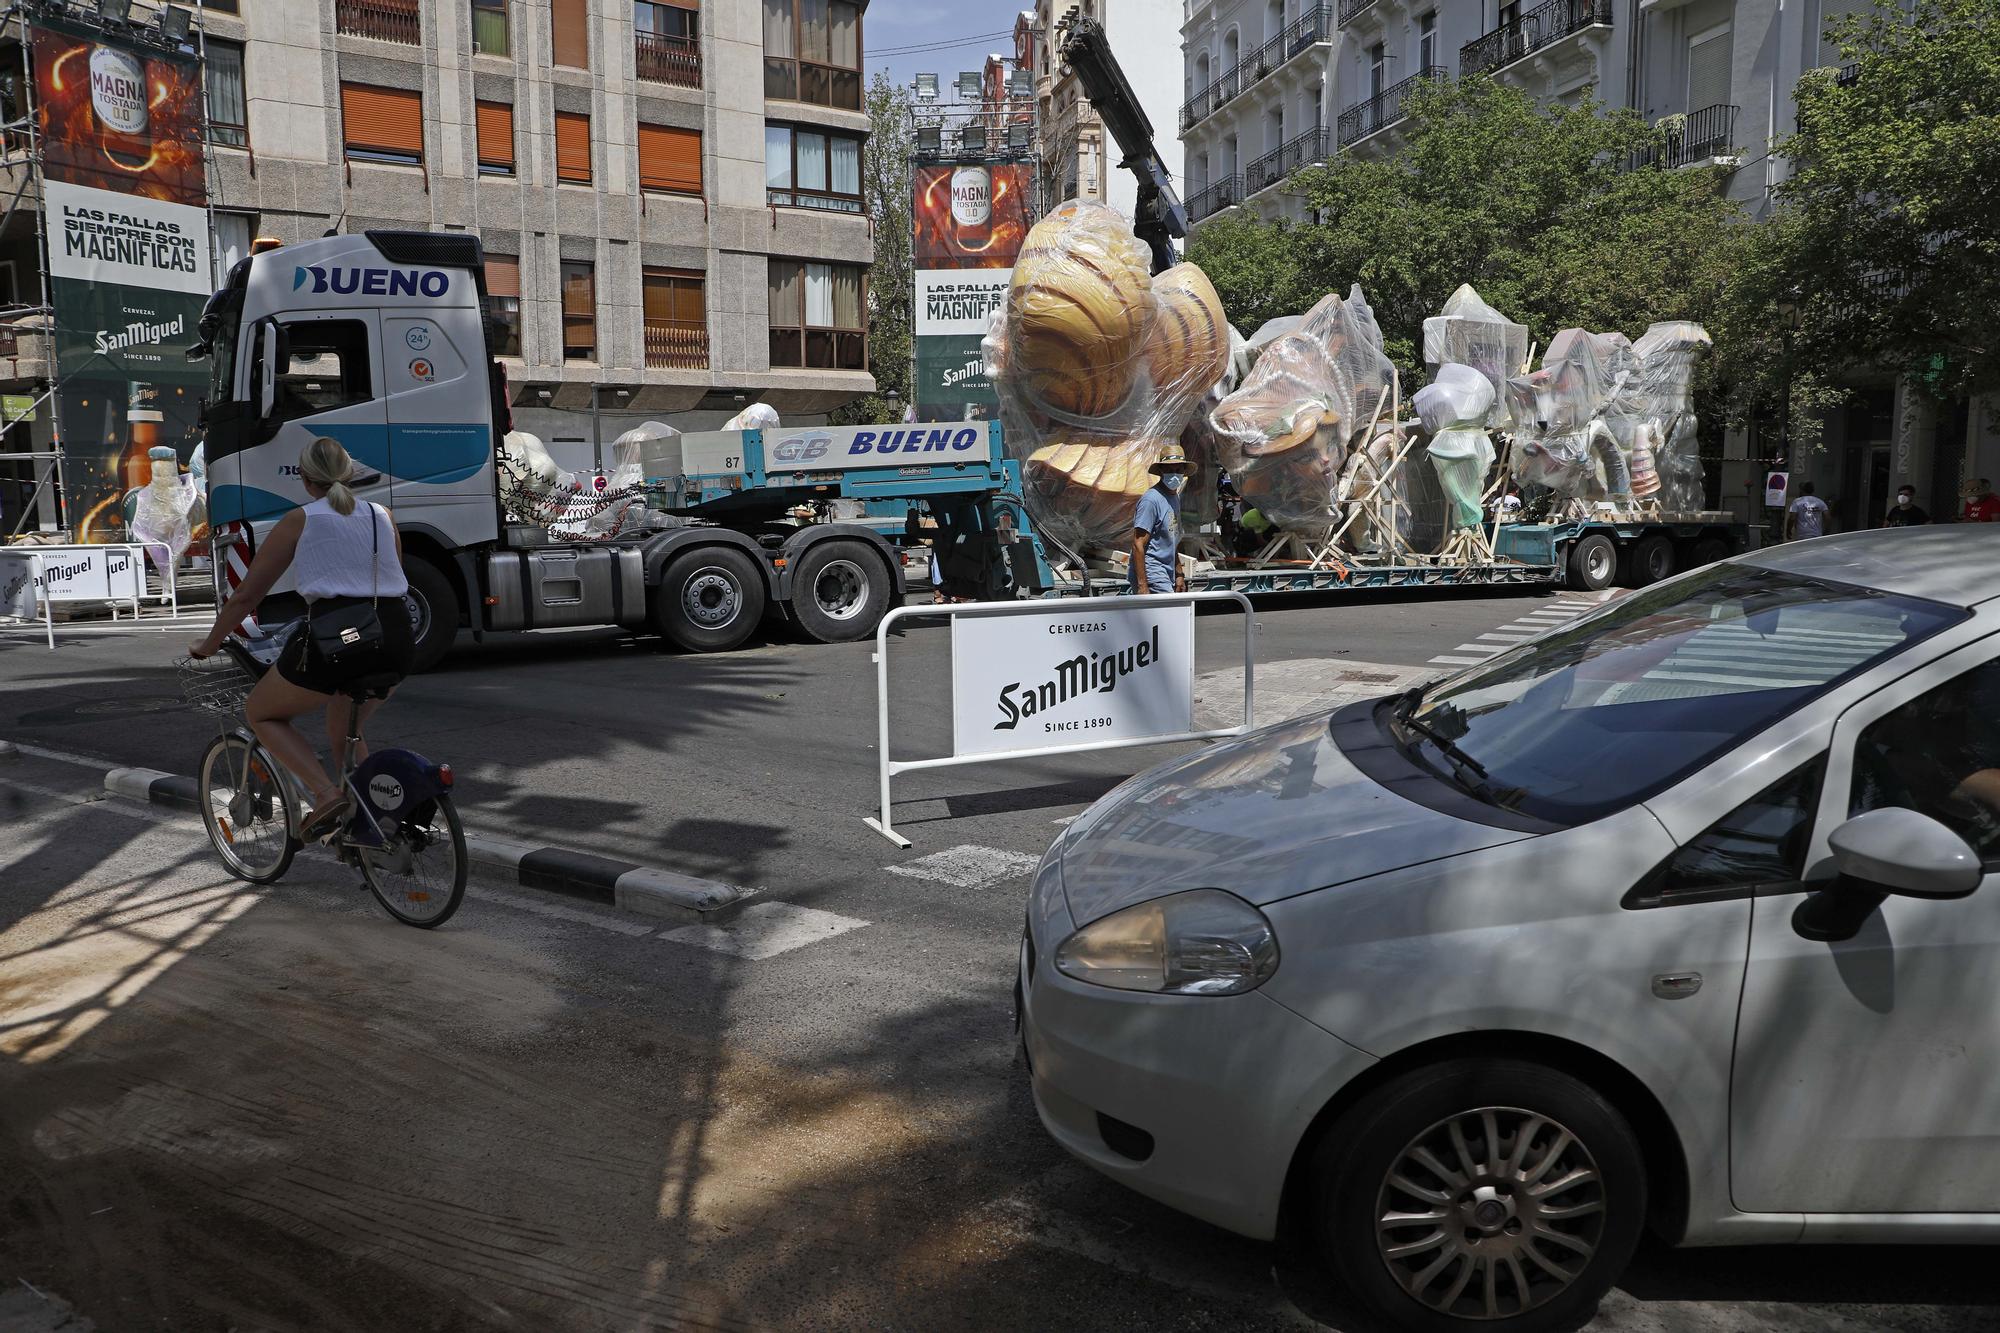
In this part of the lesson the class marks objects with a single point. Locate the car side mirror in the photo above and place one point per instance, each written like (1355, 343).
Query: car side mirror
(1900, 851)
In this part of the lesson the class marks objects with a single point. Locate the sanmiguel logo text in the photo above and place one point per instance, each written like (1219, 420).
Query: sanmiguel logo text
(372, 281)
(1082, 674)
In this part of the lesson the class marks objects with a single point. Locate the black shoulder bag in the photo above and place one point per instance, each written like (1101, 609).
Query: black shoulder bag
(349, 638)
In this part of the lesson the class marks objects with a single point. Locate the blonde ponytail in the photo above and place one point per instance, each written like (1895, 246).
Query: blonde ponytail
(325, 464)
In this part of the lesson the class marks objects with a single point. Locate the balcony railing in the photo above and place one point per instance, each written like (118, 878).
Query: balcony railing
(1699, 136)
(1384, 108)
(1227, 191)
(1351, 10)
(384, 20)
(1278, 164)
(1530, 33)
(1212, 97)
(675, 344)
(672, 60)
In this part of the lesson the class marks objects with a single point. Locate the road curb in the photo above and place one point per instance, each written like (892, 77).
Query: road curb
(643, 890)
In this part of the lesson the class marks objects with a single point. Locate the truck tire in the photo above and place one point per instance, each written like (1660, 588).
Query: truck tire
(1647, 561)
(709, 600)
(840, 591)
(434, 613)
(1593, 561)
(1708, 550)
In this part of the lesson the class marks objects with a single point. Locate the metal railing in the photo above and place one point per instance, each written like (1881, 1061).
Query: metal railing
(1227, 191)
(1384, 108)
(673, 60)
(383, 20)
(1281, 162)
(1529, 33)
(1351, 10)
(1213, 96)
(1698, 136)
(1315, 25)
(676, 344)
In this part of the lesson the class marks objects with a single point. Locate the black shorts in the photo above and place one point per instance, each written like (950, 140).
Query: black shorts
(301, 665)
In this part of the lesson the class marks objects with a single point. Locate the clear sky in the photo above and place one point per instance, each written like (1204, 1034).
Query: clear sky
(958, 33)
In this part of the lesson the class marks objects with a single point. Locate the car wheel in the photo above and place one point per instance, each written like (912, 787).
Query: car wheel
(709, 600)
(1593, 560)
(1651, 560)
(1496, 1195)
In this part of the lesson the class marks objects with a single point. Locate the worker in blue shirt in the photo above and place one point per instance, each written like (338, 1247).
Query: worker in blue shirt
(1156, 527)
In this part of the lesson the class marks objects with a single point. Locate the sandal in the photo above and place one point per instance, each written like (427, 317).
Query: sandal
(325, 818)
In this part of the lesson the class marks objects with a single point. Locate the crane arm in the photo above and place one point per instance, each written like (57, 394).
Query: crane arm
(1158, 218)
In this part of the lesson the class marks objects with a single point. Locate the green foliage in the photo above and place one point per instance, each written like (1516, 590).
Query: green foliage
(885, 188)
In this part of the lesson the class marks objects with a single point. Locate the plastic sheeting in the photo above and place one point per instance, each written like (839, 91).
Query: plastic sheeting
(757, 416)
(1454, 408)
(1469, 332)
(162, 516)
(1285, 434)
(1098, 364)
(572, 506)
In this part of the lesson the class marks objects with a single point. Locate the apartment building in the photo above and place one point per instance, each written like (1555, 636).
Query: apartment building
(1270, 86)
(669, 194)
(1078, 160)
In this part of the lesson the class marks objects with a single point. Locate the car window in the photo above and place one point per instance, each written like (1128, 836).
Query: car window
(1939, 754)
(1588, 720)
(1762, 841)
(327, 368)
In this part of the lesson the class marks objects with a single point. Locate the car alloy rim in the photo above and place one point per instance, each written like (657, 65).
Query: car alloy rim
(1490, 1213)
(709, 598)
(841, 590)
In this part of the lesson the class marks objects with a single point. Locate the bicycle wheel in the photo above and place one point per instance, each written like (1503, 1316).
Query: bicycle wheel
(419, 874)
(248, 809)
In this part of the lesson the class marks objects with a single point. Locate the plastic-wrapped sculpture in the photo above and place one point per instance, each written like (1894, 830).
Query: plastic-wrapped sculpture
(1098, 364)
(757, 416)
(571, 506)
(1654, 416)
(161, 515)
(1470, 332)
(1286, 431)
(1454, 408)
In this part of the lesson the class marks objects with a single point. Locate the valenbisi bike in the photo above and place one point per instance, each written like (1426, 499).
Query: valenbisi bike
(404, 833)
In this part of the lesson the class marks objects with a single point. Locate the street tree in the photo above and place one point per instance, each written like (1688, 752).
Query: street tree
(885, 189)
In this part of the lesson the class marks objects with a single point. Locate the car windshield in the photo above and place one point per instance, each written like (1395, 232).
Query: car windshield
(1607, 712)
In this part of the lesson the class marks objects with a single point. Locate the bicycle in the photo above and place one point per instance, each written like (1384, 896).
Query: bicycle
(404, 833)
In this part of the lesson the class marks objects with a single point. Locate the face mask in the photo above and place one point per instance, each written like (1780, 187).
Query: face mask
(1902, 502)
(1173, 481)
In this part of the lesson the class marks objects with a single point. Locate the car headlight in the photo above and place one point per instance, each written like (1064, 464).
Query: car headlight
(1201, 942)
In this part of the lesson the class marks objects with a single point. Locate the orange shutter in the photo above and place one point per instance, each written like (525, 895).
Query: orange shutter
(496, 134)
(503, 275)
(669, 159)
(570, 22)
(383, 120)
(573, 147)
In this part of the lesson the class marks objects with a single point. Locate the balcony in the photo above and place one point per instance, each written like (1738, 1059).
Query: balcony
(1218, 92)
(1223, 194)
(1533, 31)
(1306, 31)
(383, 20)
(675, 344)
(1699, 137)
(1384, 108)
(671, 60)
(1278, 164)
(1351, 10)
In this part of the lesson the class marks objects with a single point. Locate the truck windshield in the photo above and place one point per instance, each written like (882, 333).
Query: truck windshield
(1617, 708)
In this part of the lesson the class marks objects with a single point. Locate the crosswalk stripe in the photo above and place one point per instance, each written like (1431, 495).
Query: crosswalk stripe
(968, 866)
(1460, 661)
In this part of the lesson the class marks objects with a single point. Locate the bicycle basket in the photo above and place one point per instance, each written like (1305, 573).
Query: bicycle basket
(215, 685)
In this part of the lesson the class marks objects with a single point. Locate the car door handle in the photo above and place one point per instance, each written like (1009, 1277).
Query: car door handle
(1676, 985)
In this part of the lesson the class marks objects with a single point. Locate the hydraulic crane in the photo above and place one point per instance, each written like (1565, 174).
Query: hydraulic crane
(1158, 217)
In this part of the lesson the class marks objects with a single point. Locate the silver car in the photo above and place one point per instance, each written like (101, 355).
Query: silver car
(1669, 917)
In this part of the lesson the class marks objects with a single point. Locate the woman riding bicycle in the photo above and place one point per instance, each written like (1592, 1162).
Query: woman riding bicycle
(345, 557)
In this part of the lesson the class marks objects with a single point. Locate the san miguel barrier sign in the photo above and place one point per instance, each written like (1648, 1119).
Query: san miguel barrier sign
(1038, 677)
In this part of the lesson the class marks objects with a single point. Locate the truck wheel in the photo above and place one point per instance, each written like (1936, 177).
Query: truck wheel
(1707, 551)
(434, 613)
(1649, 561)
(840, 591)
(1592, 562)
(709, 601)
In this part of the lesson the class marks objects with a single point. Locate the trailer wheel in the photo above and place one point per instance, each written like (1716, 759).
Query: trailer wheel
(1649, 561)
(840, 591)
(1708, 550)
(709, 601)
(1593, 560)
(434, 613)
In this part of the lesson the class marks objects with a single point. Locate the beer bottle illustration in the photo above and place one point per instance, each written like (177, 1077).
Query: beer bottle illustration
(119, 98)
(972, 207)
(144, 422)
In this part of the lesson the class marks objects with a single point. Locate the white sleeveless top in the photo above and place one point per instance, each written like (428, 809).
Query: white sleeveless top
(334, 551)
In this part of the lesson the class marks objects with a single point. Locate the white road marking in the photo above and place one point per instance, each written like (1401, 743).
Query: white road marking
(765, 930)
(968, 866)
(1542, 620)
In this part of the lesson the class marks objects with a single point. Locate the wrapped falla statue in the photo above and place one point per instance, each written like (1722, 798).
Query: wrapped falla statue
(1099, 365)
(1454, 408)
(162, 509)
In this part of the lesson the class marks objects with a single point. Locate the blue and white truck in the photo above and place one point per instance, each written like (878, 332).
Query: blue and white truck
(381, 341)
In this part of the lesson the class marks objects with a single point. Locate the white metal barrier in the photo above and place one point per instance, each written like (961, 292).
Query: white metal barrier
(114, 573)
(1069, 659)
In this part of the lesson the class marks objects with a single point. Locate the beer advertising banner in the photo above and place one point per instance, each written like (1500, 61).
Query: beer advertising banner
(129, 269)
(970, 218)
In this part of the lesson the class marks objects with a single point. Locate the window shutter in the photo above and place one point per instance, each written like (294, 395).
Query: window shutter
(669, 159)
(384, 120)
(503, 275)
(570, 33)
(1708, 71)
(496, 134)
(573, 147)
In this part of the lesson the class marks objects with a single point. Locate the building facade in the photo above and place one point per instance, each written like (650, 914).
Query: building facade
(1078, 160)
(1270, 86)
(669, 194)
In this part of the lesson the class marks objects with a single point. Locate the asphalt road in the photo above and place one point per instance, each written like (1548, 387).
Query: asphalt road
(223, 1108)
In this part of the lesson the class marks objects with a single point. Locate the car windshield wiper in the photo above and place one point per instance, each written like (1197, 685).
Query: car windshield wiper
(1468, 774)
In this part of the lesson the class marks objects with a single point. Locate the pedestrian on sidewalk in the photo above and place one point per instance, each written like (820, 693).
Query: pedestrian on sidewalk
(1156, 528)
(1981, 504)
(1905, 513)
(1806, 518)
